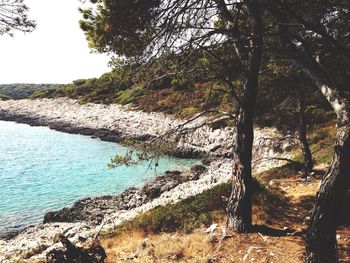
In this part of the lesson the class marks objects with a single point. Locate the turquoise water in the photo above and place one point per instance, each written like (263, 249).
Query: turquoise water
(43, 170)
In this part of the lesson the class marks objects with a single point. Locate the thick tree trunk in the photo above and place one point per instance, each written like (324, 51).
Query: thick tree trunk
(321, 243)
(239, 208)
(302, 132)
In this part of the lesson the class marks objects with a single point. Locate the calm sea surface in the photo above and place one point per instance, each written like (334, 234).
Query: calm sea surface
(43, 170)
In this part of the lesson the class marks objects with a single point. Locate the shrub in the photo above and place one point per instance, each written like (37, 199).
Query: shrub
(186, 215)
(129, 95)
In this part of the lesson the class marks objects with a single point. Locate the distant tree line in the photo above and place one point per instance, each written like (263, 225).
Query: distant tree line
(21, 91)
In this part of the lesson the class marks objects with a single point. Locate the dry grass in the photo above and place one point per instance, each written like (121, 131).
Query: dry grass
(136, 246)
(198, 247)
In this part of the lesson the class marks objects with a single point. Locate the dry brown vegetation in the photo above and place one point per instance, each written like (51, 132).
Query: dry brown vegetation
(278, 237)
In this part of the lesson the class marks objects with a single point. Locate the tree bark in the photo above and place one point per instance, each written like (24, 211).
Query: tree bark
(239, 207)
(321, 243)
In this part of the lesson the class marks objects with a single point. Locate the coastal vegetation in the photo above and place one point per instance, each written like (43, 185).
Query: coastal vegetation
(21, 91)
(267, 63)
(302, 37)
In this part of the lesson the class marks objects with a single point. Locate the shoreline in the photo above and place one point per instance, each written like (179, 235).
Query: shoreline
(122, 123)
(116, 123)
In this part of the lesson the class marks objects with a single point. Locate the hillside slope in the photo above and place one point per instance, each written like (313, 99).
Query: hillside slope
(21, 91)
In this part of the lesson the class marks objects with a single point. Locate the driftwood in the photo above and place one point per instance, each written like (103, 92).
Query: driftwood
(74, 254)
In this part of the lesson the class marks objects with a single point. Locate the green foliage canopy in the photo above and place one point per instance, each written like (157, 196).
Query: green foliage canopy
(150, 28)
(121, 26)
(21, 91)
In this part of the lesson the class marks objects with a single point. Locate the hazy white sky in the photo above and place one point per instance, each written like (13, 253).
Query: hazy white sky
(56, 52)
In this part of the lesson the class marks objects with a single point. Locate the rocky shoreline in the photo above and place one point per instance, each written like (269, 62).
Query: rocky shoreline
(118, 123)
(81, 222)
(79, 225)
(94, 209)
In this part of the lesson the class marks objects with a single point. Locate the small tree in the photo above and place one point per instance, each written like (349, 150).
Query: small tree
(13, 16)
(289, 91)
(302, 126)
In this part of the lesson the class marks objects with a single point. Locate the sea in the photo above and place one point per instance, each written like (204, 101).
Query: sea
(43, 170)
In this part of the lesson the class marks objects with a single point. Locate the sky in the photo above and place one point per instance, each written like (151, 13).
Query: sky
(55, 52)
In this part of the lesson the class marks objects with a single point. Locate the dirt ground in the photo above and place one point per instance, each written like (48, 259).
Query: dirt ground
(278, 236)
